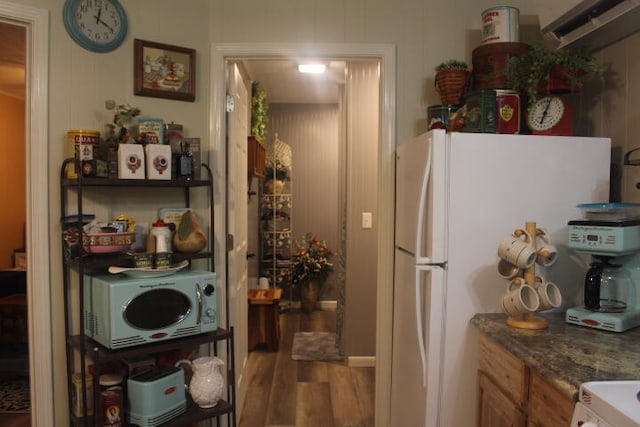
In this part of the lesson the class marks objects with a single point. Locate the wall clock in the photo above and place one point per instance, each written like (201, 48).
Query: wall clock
(550, 115)
(96, 25)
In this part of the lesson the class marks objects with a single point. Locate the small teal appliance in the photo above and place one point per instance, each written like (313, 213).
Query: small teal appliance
(156, 396)
(123, 311)
(610, 233)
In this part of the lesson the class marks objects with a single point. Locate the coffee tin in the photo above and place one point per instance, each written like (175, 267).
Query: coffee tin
(508, 111)
(438, 116)
(83, 145)
(500, 24)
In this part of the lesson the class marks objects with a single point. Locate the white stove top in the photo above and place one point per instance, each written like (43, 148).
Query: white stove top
(608, 404)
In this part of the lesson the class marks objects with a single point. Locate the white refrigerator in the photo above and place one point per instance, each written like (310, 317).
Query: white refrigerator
(457, 196)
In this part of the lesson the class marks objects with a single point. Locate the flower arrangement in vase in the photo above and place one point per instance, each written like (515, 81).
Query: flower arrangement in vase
(310, 268)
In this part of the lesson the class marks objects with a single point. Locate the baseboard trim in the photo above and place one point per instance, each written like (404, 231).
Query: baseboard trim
(328, 305)
(361, 361)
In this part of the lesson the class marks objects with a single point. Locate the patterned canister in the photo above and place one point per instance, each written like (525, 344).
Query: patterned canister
(500, 24)
(83, 145)
(438, 115)
(508, 111)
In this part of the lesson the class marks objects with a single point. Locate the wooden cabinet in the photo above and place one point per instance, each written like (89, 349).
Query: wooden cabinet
(496, 409)
(256, 157)
(512, 394)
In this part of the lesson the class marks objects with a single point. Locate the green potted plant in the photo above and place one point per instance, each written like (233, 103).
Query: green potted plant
(540, 71)
(310, 269)
(259, 109)
(452, 81)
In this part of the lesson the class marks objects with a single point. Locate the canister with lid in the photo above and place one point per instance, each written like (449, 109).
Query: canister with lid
(112, 400)
(83, 145)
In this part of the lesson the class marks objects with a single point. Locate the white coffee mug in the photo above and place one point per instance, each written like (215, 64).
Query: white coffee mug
(521, 300)
(506, 270)
(518, 251)
(263, 283)
(547, 252)
(549, 295)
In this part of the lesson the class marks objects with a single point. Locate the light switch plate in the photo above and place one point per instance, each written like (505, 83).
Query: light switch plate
(367, 220)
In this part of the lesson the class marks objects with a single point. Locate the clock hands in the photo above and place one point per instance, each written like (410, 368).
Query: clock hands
(545, 111)
(99, 13)
(98, 20)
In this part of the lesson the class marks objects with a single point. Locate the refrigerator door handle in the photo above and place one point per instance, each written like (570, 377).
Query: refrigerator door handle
(422, 206)
(419, 315)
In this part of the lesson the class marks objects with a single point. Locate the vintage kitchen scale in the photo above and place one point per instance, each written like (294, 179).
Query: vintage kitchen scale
(610, 233)
(551, 115)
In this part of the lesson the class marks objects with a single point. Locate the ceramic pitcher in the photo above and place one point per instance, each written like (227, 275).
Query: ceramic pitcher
(207, 384)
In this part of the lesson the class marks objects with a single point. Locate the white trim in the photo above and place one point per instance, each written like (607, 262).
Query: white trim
(361, 362)
(38, 258)
(328, 305)
(386, 169)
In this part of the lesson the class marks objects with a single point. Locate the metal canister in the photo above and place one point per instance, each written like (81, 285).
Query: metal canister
(508, 111)
(500, 24)
(112, 400)
(438, 115)
(83, 145)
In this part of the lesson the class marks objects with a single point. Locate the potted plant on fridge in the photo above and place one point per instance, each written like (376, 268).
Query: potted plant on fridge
(540, 71)
(452, 81)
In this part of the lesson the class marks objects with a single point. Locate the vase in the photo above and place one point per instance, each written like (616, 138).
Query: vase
(309, 294)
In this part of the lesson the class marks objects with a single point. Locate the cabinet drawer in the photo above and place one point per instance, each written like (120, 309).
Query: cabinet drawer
(547, 406)
(505, 369)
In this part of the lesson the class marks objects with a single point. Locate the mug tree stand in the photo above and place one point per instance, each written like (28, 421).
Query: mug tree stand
(528, 320)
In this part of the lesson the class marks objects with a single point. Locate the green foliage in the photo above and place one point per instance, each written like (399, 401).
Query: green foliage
(452, 64)
(528, 71)
(259, 109)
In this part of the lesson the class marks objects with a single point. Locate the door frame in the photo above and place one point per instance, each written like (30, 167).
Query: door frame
(220, 52)
(36, 22)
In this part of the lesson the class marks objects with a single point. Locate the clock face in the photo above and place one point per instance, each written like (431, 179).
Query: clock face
(545, 114)
(96, 25)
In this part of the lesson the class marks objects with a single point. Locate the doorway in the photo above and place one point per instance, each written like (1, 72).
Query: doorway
(385, 172)
(36, 23)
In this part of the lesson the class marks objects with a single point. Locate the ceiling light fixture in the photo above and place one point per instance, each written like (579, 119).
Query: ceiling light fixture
(312, 68)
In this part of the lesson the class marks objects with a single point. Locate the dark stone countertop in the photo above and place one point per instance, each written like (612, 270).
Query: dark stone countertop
(568, 355)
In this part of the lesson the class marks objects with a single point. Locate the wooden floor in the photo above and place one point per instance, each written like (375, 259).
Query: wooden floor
(283, 392)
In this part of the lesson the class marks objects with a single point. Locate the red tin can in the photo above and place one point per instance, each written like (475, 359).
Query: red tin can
(508, 111)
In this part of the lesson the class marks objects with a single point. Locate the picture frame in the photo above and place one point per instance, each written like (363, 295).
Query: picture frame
(164, 71)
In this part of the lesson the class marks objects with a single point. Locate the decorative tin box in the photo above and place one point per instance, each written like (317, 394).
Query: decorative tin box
(158, 159)
(131, 161)
(481, 112)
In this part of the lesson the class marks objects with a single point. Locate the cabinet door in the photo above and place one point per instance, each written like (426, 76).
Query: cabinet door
(495, 408)
(547, 406)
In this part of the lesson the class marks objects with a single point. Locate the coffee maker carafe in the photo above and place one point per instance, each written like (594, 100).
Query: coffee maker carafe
(606, 286)
(612, 283)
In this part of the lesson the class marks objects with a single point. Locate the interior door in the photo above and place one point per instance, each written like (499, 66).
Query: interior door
(238, 96)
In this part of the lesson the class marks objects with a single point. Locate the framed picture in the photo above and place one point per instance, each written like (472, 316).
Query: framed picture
(164, 71)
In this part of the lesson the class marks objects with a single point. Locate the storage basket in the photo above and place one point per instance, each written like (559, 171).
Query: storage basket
(452, 85)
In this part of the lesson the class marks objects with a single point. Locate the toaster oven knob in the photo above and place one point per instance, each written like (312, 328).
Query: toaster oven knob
(209, 289)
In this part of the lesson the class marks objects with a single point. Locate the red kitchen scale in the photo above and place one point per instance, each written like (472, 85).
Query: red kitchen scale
(551, 115)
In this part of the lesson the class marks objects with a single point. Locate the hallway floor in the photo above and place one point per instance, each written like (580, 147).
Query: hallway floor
(287, 393)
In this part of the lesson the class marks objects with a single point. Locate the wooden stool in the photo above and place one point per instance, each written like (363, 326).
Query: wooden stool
(264, 318)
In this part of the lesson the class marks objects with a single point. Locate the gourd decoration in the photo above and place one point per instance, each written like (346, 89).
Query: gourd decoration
(189, 236)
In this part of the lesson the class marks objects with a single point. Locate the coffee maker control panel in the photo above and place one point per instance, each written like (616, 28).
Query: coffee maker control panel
(604, 238)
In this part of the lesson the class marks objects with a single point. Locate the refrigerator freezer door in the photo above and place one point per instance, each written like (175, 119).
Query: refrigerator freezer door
(418, 320)
(421, 208)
